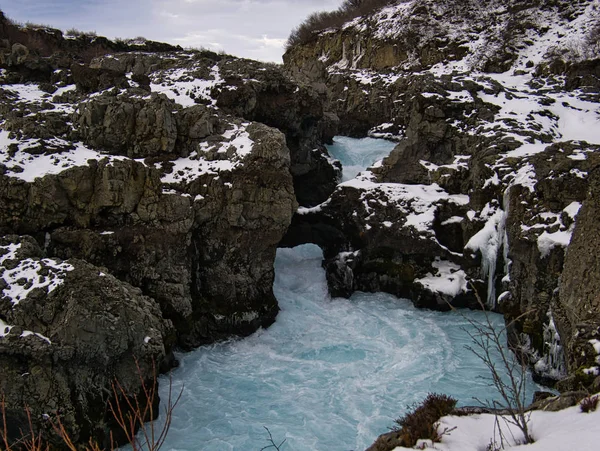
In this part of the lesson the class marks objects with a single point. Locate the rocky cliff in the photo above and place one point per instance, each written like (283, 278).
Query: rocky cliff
(143, 194)
(495, 108)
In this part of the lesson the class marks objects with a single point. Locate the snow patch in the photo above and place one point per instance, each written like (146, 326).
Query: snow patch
(450, 279)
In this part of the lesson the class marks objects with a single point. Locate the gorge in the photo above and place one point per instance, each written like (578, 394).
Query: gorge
(146, 190)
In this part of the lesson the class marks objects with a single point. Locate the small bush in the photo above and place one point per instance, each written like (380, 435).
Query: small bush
(320, 21)
(35, 26)
(589, 404)
(74, 32)
(420, 421)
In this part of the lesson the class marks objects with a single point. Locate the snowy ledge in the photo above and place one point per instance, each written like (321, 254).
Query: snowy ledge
(450, 279)
(417, 202)
(568, 429)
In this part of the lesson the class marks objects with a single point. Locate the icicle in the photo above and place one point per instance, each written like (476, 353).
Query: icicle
(488, 242)
(505, 205)
(552, 364)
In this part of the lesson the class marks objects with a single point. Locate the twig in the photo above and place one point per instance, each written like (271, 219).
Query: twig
(272, 445)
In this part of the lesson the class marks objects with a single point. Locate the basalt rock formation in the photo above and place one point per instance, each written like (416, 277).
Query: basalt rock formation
(69, 330)
(143, 197)
(494, 109)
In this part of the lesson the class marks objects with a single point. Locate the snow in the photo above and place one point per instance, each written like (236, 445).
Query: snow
(568, 429)
(31, 94)
(419, 202)
(183, 86)
(26, 277)
(5, 330)
(34, 166)
(453, 220)
(235, 147)
(572, 209)
(488, 241)
(450, 279)
(547, 241)
(28, 93)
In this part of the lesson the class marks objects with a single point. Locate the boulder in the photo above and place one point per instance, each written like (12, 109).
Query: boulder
(70, 331)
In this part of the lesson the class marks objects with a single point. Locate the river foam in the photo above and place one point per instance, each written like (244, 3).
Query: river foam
(358, 154)
(330, 374)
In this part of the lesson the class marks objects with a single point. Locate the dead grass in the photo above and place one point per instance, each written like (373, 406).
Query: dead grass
(421, 421)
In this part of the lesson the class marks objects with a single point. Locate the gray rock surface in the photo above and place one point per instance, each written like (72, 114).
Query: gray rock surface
(69, 331)
(128, 165)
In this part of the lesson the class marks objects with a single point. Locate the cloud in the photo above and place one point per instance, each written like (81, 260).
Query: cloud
(254, 29)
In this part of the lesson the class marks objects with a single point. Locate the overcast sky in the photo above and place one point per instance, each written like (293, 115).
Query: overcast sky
(254, 29)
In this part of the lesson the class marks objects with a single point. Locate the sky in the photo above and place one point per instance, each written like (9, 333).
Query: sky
(255, 29)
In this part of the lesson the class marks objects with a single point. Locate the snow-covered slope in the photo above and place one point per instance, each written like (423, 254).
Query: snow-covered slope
(467, 34)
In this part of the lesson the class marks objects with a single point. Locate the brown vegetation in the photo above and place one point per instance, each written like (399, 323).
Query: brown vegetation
(421, 421)
(320, 21)
(74, 32)
(589, 404)
(129, 414)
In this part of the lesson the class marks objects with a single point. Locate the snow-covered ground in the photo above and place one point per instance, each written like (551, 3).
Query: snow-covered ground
(569, 429)
(31, 158)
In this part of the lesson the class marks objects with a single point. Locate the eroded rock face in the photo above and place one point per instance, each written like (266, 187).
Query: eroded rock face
(136, 128)
(576, 308)
(254, 91)
(128, 168)
(483, 190)
(69, 330)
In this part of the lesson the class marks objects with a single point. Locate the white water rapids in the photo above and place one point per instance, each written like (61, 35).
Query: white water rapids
(330, 374)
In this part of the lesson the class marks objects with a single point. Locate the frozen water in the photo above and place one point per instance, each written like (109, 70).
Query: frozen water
(358, 154)
(330, 374)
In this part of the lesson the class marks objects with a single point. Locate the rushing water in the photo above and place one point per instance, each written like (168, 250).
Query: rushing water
(358, 154)
(330, 374)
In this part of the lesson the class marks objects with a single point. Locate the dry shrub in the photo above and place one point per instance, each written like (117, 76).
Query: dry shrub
(129, 413)
(320, 21)
(589, 404)
(74, 32)
(420, 421)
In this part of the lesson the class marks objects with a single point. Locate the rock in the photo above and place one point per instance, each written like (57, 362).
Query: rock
(182, 202)
(387, 442)
(90, 80)
(577, 308)
(136, 128)
(560, 402)
(47, 42)
(18, 54)
(71, 338)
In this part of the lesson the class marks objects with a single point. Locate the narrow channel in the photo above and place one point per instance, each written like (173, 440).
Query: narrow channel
(330, 374)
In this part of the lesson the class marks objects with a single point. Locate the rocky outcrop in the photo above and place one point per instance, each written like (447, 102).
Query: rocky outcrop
(42, 41)
(68, 331)
(130, 171)
(254, 91)
(483, 190)
(576, 309)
